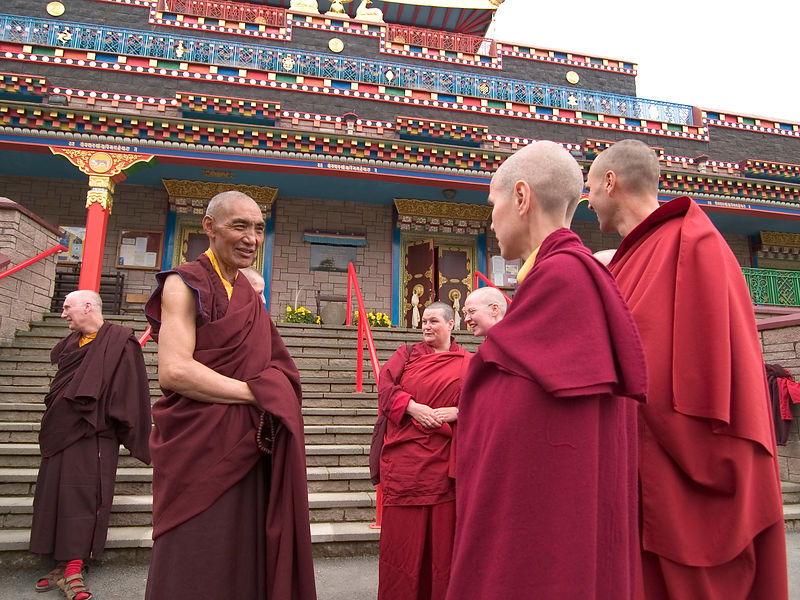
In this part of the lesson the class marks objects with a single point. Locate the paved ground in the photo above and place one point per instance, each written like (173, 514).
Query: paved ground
(337, 579)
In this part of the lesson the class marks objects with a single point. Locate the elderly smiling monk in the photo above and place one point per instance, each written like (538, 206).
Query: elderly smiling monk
(483, 308)
(99, 397)
(546, 460)
(418, 393)
(230, 499)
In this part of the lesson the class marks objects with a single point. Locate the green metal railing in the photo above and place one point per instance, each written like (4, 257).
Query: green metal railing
(770, 286)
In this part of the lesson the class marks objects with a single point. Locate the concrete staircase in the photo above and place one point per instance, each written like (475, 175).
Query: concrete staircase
(338, 430)
(338, 427)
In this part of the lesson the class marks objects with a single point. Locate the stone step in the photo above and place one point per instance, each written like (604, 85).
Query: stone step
(141, 537)
(20, 481)
(27, 432)
(317, 455)
(16, 512)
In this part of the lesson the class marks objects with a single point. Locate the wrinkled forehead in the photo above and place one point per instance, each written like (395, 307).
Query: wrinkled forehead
(240, 208)
(433, 313)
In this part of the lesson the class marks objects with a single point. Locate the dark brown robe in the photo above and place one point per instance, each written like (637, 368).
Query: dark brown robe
(99, 398)
(228, 522)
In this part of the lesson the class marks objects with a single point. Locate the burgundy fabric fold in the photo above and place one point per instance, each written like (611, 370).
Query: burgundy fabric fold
(200, 450)
(546, 463)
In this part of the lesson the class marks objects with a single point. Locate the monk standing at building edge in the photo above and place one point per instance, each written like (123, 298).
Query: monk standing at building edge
(712, 518)
(546, 458)
(98, 399)
(230, 498)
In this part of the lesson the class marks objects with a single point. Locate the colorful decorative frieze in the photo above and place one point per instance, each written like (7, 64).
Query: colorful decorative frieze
(23, 87)
(712, 186)
(566, 58)
(459, 134)
(772, 170)
(715, 119)
(443, 217)
(240, 110)
(146, 130)
(174, 56)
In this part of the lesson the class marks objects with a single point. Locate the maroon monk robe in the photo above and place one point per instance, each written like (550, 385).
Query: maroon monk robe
(709, 480)
(227, 521)
(546, 461)
(416, 476)
(98, 399)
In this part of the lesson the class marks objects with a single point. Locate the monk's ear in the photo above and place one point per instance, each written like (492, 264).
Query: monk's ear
(208, 225)
(522, 197)
(610, 181)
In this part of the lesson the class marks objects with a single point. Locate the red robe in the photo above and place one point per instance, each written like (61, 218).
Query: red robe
(227, 521)
(416, 473)
(707, 467)
(546, 462)
(98, 399)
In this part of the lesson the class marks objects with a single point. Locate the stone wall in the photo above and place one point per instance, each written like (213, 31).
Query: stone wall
(780, 342)
(291, 274)
(25, 295)
(63, 203)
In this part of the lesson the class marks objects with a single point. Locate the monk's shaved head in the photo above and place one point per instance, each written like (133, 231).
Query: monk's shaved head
(488, 295)
(84, 297)
(217, 204)
(447, 311)
(635, 164)
(553, 175)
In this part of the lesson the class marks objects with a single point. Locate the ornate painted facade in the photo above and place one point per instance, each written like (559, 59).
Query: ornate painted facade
(376, 124)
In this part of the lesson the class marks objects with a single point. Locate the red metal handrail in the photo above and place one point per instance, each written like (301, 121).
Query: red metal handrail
(145, 336)
(363, 328)
(481, 276)
(30, 261)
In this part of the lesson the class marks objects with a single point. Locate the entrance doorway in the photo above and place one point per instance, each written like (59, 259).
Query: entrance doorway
(435, 269)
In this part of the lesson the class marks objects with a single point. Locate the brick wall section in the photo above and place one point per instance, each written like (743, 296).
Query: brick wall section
(63, 202)
(25, 295)
(780, 342)
(291, 262)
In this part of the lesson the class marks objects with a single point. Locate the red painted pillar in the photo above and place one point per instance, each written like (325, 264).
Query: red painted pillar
(99, 199)
(93, 245)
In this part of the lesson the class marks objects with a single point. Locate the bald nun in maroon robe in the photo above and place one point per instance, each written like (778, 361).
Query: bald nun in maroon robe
(418, 392)
(712, 519)
(230, 500)
(546, 472)
(99, 398)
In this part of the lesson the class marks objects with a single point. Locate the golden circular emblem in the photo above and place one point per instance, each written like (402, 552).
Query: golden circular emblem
(336, 45)
(573, 77)
(55, 9)
(100, 162)
(288, 63)
(483, 88)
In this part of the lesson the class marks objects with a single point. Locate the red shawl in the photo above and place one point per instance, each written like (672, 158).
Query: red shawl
(546, 462)
(709, 478)
(99, 387)
(201, 449)
(415, 461)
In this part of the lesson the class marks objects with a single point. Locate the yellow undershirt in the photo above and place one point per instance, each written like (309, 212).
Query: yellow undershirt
(227, 284)
(85, 339)
(527, 266)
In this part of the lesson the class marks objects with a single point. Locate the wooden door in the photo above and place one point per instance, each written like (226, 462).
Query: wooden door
(455, 266)
(418, 283)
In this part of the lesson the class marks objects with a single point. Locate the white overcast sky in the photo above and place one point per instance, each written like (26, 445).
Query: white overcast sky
(724, 55)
